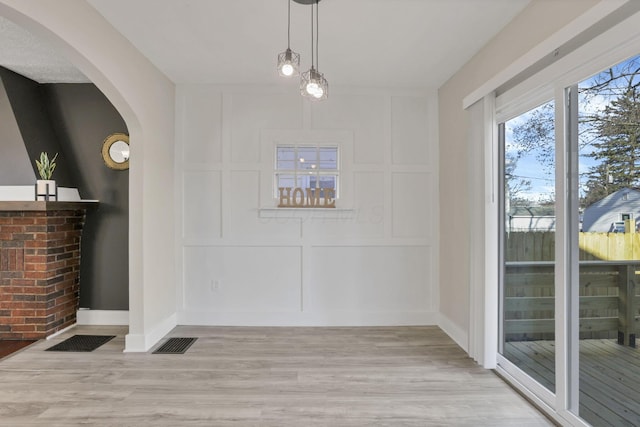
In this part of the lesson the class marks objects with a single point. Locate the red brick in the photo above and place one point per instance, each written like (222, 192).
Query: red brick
(31, 259)
(30, 304)
(35, 267)
(36, 274)
(23, 220)
(23, 328)
(35, 244)
(32, 336)
(25, 312)
(13, 320)
(13, 229)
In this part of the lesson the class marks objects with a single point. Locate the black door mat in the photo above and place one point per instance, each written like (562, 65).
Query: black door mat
(82, 343)
(175, 346)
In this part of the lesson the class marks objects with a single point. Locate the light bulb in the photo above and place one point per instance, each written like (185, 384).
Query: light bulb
(319, 92)
(287, 69)
(312, 88)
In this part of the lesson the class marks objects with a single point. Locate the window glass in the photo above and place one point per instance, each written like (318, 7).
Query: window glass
(528, 237)
(307, 166)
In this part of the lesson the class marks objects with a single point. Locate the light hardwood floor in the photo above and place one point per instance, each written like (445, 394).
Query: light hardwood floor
(391, 376)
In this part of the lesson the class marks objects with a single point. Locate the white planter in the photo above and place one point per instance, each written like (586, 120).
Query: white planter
(46, 189)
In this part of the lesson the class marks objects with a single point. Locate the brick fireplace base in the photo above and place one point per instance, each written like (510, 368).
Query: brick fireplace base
(39, 268)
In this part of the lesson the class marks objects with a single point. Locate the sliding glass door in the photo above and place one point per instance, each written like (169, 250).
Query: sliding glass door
(570, 245)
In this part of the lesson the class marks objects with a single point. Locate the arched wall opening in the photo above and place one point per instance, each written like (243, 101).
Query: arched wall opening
(145, 99)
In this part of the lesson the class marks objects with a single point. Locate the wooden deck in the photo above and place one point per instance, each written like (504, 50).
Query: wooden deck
(609, 377)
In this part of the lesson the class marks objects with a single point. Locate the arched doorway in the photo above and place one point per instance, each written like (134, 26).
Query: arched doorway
(145, 99)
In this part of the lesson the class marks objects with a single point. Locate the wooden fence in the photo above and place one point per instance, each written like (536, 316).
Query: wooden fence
(539, 246)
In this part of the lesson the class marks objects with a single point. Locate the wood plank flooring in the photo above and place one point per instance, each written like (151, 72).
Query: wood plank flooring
(609, 377)
(388, 376)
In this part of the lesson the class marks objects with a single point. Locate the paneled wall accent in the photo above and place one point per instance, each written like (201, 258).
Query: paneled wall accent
(369, 262)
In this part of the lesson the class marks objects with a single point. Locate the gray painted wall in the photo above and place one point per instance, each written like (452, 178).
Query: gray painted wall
(15, 165)
(82, 118)
(35, 125)
(73, 120)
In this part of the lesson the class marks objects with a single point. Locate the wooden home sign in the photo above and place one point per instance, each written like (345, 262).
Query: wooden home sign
(307, 197)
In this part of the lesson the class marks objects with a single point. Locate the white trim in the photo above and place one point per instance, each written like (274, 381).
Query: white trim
(61, 331)
(541, 404)
(561, 417)
(483, 229)
(307, 213)
(328, 318)
(561, 253)
(476, 217)
(574, 28)
(454, 331)
(491, 234)
(140, 343)
(607, 49)
(103, 317)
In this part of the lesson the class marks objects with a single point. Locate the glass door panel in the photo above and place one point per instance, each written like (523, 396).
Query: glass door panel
(609, 245)
(528, 243)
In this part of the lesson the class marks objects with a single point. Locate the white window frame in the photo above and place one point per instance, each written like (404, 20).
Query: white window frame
(318, 172)
(270, 139)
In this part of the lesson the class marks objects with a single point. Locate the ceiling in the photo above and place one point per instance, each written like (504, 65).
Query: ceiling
(372, 43)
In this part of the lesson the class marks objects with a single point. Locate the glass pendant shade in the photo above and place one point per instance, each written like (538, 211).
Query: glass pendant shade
(313, 85)
(288, 63)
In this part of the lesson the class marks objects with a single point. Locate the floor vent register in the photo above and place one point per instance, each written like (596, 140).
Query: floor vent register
(175, 346)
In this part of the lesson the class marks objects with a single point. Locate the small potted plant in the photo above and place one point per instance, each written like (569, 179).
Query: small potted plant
(46, 187)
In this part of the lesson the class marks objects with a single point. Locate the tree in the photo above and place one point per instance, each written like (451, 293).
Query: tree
(616, 147)
(609, 131)
(515, 185)
(536, 135)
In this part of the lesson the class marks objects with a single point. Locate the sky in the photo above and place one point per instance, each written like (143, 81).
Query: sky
(529, 167)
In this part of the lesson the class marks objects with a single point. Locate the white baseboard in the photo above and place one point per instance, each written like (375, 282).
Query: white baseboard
(103, 317)
(307, 319)
(61, 331)
(456, 333)
(141, 343)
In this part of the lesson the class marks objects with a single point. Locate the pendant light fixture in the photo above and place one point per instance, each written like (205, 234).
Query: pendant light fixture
(288, 61)
(313, 85)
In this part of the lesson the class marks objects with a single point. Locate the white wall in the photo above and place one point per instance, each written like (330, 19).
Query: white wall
(372, 261)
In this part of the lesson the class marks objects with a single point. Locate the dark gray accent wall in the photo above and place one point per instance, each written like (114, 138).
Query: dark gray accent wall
(82, 117)
(73, 120)
(15, 164)
(35, 125)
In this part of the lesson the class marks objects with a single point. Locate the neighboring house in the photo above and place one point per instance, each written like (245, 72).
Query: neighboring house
(531, 218)
(607, 215)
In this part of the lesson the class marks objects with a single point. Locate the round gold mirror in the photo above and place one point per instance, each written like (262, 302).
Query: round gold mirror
(115, 151)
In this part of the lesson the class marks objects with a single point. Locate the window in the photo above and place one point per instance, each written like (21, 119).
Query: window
(307, 166)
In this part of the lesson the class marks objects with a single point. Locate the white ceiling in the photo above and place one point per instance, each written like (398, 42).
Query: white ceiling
(26, 54)
(380, 43)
